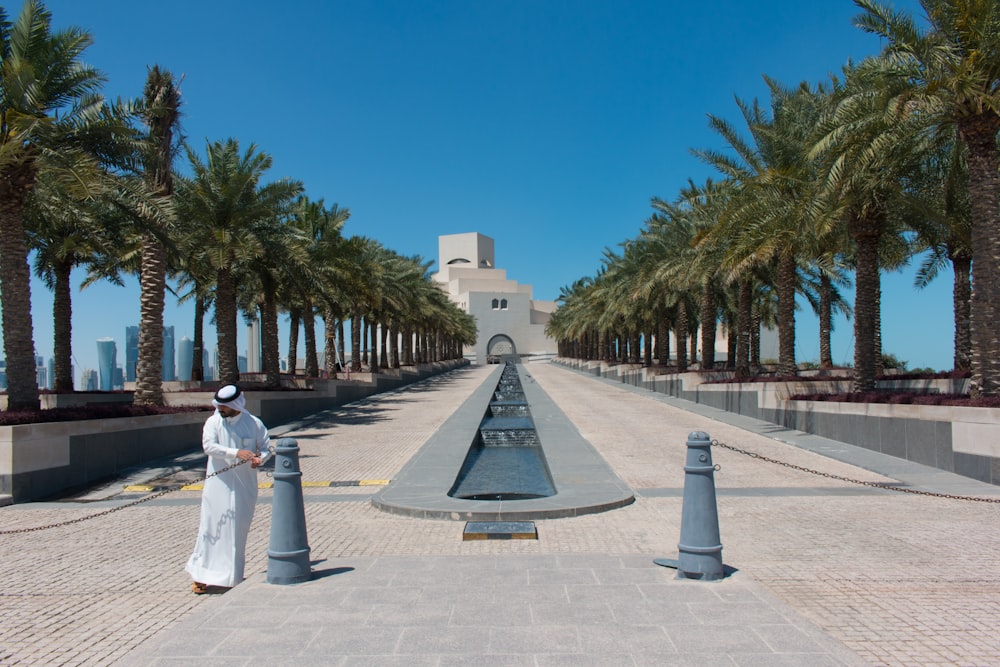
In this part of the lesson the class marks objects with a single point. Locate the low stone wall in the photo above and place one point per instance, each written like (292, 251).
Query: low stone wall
(962, 440)
(42, 460)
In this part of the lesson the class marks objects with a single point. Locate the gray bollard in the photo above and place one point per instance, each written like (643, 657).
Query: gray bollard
(288, 550)
(700, 548)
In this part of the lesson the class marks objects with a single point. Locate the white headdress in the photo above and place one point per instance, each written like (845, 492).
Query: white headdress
(230, 396)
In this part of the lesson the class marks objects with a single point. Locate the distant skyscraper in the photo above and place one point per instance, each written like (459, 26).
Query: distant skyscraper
(207, 367)
(169, 372)
(241, 363)
(253, 347)
(185, 358)
(131, 352)
(107, 362)
(3, 374)
(88, 379)
(52, 374)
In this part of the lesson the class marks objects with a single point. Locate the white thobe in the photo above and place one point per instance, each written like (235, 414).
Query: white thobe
(228, 500)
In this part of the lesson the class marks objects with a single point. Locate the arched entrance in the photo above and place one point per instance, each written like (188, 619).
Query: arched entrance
(499, 346)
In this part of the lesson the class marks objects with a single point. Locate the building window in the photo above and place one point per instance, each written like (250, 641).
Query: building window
(496, 304)
(503, 304)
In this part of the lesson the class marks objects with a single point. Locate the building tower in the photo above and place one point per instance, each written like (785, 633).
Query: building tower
(169, 372)
(131, 352)
(107, 361)
(185, 358)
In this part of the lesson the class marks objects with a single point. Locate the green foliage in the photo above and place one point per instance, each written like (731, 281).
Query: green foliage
(892, 362)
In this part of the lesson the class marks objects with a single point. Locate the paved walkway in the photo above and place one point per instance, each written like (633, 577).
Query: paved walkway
(828, 572)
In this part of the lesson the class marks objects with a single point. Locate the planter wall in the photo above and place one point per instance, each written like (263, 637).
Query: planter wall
(962, 440)
(40, 460)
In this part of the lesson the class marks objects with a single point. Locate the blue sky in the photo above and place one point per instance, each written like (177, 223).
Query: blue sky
(547, 125)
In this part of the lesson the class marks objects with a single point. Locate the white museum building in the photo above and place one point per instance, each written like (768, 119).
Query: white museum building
(510, 321)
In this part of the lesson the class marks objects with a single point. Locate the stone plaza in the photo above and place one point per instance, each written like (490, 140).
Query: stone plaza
(824, 571)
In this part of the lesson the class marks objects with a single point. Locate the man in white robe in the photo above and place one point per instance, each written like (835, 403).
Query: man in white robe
(228, 500)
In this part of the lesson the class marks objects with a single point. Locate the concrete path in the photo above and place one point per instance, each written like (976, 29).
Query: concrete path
(827, 572)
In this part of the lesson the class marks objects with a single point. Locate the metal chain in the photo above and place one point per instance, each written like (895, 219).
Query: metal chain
(121, 507)
(878, 485)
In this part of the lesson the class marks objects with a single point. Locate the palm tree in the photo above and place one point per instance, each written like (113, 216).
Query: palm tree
(283, 259)
(870, 144)
(64, 232)
(768, 217)
(321, 227)
(952, 76)
(162, 117)
(50, 115)
(225, 198)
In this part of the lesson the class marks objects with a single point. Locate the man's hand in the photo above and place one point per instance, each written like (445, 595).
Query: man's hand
(247, 455)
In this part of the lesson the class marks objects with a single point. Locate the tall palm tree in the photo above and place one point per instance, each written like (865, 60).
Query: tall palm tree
(161, 115)
(768, 220)
(64, 232)
(50, 115)
(283, 259)
(870, 144)
(952, 75)
(321, 227)
(225, 197)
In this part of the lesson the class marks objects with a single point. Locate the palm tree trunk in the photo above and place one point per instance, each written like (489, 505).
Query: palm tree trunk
(356, 341)
(708, 319)
(786, 314)
(62, 321)
(330, 341)
(294, 319)
(731, 337)
(383, 360)
(15, 291)
(866, 232)
(312, 354)
(825, 321)
(663, 343)
(682, 335)
(270, 346)
(755, 361)
(198, 360)
(153, 283)
(961, 265)
(341, 343)
(225, 325)
(373, 332)
(364, 341)
(879, 362)
(407, 345)
(979, 134)
(743, 329)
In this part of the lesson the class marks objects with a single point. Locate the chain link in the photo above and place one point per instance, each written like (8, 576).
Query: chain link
(112, 510)
(878, 485)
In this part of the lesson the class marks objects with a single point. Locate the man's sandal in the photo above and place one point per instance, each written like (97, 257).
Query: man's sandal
(199, 588)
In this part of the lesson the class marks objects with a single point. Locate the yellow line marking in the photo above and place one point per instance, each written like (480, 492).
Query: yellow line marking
(374, 482)
(193, 487)
(315, 483)
(139, 487)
